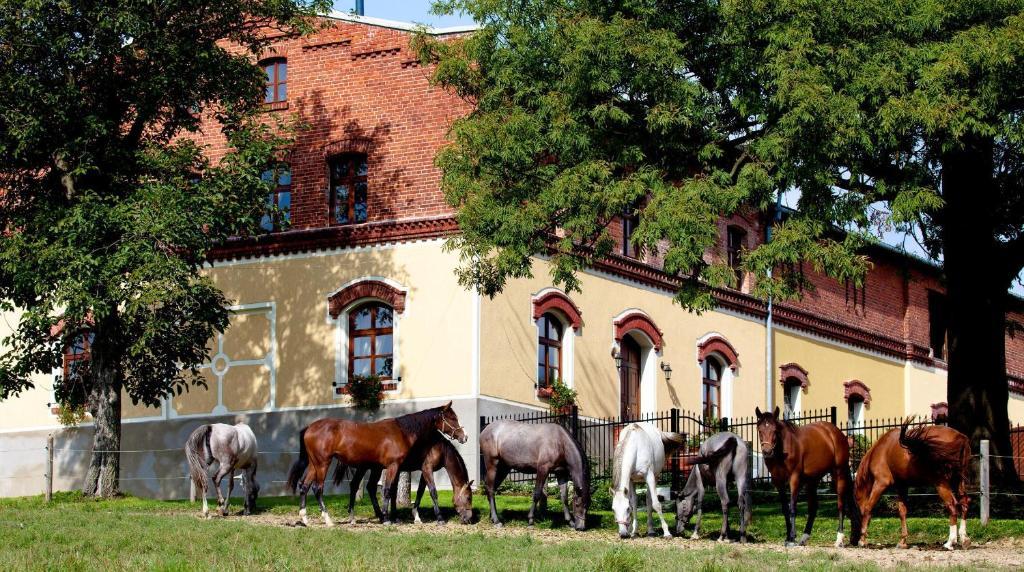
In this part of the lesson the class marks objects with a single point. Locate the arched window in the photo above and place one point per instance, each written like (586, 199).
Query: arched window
(371, 342)
(279, 201)
(855, 410)
(76, 355)
(277, 80)
(711, 396)
(791, 397)
(549, 350)
(348, 175)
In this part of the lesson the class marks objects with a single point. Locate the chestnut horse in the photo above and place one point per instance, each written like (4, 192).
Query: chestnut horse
(384, 443)
(431, 453)
(926, 455)
(799, 456)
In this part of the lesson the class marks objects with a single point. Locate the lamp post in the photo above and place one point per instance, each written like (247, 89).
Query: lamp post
(617, 356)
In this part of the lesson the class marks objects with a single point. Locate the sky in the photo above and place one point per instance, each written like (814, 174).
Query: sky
(416, 11)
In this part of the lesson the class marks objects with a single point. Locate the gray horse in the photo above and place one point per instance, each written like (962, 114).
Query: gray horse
(723, 457)
(541, 449)
(233, 447)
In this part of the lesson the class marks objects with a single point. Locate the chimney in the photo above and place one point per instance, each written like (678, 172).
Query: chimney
(359, 8)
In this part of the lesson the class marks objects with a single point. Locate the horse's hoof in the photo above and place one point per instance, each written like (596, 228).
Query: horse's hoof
(948, 546)
(722, 539)
(804, 538)
(965, 543)
(902, 545)
(743, 539)
(667, 535)
(790, 544)
(863, 543)
(694, 536)
(441, 522)
(301, 524)
(499, 525)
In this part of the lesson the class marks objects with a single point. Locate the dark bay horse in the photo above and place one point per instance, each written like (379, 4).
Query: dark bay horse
(926, 455)
(430, 454)
(541, 448)
(384, 443)
(799, 456)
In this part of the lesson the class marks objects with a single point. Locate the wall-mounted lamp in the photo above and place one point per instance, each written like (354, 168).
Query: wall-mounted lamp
(617, 356)
(665, 367)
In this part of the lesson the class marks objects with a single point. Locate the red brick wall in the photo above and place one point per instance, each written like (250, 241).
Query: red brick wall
(356, 87)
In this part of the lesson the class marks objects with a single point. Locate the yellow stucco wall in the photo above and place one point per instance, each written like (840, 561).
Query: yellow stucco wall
(509, 345)
(829, 366)
(30, 408)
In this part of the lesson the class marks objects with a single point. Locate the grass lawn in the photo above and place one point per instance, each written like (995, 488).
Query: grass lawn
(130, 534)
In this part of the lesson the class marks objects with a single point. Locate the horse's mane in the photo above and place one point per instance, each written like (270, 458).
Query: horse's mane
(584, 462)
(619, 451)
(418, 423)
(453, 460)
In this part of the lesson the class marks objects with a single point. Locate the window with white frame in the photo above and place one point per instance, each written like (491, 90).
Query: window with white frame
(791, 397)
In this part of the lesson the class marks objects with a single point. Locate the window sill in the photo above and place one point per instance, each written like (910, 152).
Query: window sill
(275, 106)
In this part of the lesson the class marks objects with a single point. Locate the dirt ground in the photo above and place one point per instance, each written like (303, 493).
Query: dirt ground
(1000, 554)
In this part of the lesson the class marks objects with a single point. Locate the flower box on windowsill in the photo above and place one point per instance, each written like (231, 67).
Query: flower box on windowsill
(386, 387)
(545, 392)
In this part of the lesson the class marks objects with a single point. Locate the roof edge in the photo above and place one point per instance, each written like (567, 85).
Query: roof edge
(404, 26)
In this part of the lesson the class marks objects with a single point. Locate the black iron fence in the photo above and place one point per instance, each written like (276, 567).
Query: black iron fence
(598, 437)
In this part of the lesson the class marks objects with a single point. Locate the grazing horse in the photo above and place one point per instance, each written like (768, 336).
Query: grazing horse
(431, 454)
(927, 455)
(234, 448)
(640, 457)
(723, 458)
(384, 443)
(541, 448)
(797, 456)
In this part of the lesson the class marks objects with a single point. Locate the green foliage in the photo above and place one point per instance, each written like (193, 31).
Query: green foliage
(562, 396)
(110, 206)
(366, 392)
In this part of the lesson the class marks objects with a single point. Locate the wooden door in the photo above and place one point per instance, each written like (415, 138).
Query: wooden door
(629, 379)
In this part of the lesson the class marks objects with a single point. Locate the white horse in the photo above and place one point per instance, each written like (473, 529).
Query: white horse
(640, 457)
(234, 448)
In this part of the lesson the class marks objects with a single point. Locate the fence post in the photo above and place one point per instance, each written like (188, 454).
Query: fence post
(985, 490)
(483, 423)
(674, 426)
(575, 422)
(832, 410)
(723, 424)
(49, 467)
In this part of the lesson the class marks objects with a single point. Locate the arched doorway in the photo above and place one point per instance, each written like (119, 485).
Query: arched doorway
(629, 378)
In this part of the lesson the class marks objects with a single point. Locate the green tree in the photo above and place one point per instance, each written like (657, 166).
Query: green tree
(109, 207)
(683, 110)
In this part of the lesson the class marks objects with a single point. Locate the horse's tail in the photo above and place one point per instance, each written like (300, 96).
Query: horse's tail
(947, 457)
(851, 507)
(197, 451)
(672, 441)
(727, 448)
(299, 466)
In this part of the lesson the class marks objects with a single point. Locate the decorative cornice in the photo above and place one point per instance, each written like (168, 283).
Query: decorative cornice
(327, 45)
(638, 321)
(376, 53)
(721, 346)
(555, 300)
(310, 240)
(857, 387)
(1016, 383)
(366, 289)
(794, 371)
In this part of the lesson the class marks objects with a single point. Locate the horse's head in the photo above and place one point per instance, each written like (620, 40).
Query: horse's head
(580, 504)
(448, 423)
(250, 499)
(623, 510)
(463, 499)
(769, 429)
(686, 504)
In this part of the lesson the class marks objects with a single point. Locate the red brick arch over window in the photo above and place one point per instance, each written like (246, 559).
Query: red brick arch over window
(858, 388)
(555, 300)
(366, 289)
(638, 321)
(721, 346)
(794, 371)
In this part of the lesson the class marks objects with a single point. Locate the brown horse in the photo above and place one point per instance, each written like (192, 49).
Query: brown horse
(926, 455)
(798, 456)
(384, 443)
(431, 453)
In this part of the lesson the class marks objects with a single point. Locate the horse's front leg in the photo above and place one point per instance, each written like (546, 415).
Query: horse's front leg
(790, 525)
(419, 498)
(563, 494)
(812, 511)
(353, 491)
(654, 502)
(390, 474)
(632, 508)
(428, 476)
(538, 492)
(794, 495)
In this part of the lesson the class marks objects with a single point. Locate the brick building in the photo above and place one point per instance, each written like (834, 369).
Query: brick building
(352, 278)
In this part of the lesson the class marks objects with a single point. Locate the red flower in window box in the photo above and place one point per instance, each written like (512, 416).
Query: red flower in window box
(545, 392)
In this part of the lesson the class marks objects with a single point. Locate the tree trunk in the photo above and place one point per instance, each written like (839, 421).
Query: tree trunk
(102, 479)
(404, 497)
(977, 390)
